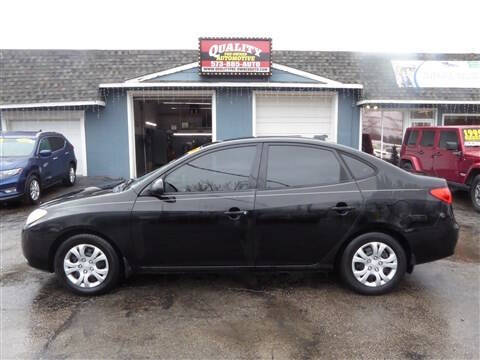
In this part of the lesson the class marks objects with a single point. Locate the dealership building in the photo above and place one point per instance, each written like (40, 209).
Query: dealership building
(129, 112)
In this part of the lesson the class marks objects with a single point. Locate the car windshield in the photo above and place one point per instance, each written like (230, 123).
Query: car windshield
(16, 146)
(471, 136)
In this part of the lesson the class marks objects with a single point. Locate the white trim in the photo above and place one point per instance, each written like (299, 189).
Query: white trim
(453, 114)
(214, 116)
(418, 102)
(360, 130)
(230, 85)
(335, 117)
(132, 161)
(305, 74)
(254, 113)
(164, 72)
(52, 104)
(83, 139)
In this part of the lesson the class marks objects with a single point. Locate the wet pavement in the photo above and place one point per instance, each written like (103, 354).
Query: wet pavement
(434, 313)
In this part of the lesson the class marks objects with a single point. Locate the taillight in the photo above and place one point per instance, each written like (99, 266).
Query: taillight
(443, 194)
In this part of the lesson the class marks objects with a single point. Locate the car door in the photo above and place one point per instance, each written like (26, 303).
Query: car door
(445, 162)
(306, 203)
(204, 217)
(59, 163)
(45, 163)
(426, 151)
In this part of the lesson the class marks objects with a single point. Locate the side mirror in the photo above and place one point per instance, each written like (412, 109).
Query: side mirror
(45, 153)
(451, 145)
(157, 188)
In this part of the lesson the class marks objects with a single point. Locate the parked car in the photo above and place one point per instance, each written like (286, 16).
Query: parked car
(249, 204)
(33, 161)
(449, 152)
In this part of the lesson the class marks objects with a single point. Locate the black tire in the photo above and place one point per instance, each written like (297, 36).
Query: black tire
(27, 197)
(114, 267)
(407, 166)
(346, 271)
(68, 181)
(475, 193)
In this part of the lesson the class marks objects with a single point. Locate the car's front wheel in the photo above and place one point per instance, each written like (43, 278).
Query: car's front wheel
(71, 176)
(373, 264)
(87, 265)
(32, 190)
(475, 193)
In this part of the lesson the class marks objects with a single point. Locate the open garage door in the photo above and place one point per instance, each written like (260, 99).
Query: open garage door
(70, 124)
(301, 113)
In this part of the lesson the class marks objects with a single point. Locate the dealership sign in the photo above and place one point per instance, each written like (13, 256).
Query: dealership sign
(437, 74)
(242, 56)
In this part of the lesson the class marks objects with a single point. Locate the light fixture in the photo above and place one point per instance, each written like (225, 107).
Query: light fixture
(192, 134)
(375, 107)
(150, 123)
(368, 106)
(173, 108)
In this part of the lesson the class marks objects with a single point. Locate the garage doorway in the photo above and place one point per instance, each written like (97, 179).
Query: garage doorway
(166, 127)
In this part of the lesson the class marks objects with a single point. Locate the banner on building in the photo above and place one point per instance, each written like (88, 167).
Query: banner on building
(241, 56)
(437, 74)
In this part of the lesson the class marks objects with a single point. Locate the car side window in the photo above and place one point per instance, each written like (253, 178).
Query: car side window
(412, 139)
(447, 136)
(359, 169)
(222, 170)
(293, 166)
(57, 143)
(428, 137)
(45, 144)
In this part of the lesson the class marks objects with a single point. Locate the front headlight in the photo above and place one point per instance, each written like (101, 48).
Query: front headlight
(35, 215)
(9, 173)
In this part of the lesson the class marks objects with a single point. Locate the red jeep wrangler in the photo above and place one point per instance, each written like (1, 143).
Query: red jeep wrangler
(449, 152)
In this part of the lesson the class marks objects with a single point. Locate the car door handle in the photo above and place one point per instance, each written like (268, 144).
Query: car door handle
(421, 152)
(342, 209)
(438, 153)
(235, 213)
(55, 158)
(168, 199)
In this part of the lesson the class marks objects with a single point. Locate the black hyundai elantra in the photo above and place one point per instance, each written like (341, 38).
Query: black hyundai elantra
(249, 204)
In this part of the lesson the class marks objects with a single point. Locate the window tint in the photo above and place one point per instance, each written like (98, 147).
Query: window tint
(57, 143)
(412, 139)
(427, 138)
(302, 166)
(45, 144)
(447, 136)
(359, 169)
(407, 135)
(223, 170)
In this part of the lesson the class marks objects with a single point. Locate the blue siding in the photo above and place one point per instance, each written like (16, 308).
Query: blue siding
(234, 113)
(106, 132)
(348, 119)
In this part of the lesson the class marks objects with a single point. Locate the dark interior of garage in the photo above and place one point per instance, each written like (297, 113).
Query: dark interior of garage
(168, 127)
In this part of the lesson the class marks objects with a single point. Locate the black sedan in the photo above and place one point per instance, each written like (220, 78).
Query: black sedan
(249, 204)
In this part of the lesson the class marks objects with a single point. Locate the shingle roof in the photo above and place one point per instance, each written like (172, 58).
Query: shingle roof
(34, 76)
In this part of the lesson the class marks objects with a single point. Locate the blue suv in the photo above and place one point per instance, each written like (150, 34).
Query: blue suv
(32, 161)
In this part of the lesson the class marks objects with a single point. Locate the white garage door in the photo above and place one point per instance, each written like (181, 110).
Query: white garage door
(304, 114)
(68, 124)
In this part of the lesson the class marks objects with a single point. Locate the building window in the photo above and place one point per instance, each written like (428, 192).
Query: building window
(461, 119)
(383, 130)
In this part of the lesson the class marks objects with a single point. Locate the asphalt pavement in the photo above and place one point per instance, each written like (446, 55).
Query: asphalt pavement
(434, 313)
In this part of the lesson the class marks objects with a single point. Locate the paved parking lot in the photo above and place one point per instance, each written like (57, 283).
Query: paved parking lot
(435, 312)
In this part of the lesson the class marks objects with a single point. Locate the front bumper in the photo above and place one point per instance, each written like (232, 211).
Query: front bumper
(36, 249)
(11, 188)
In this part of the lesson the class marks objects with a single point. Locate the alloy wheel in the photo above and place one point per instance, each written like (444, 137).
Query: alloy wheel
(477, 194)
(374, 264)
(34, 190)
(71, 175)
(85, 266)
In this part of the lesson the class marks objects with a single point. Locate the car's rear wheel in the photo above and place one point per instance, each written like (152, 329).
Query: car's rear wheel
(407, 165)
(32, 190)
(475, 193)
(71, 176)
(87, 265)
(373, 264)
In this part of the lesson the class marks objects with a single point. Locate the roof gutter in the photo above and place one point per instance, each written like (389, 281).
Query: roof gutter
(52, 104)
(135, 85)
(427, 102)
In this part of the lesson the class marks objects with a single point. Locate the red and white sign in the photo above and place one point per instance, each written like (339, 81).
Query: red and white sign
(235, 56)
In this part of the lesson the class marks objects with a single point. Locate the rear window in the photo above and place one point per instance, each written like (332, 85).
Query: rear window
(446, 136)
(471, 136)
(412, 138)
(359, 169)
(427, 138)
